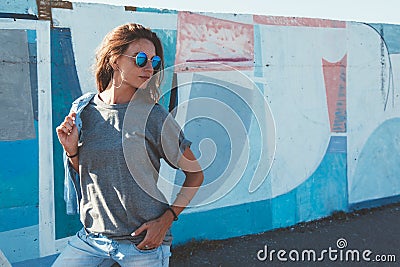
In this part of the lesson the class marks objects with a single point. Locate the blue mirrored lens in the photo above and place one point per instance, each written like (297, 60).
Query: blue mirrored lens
(156, 62)
(141, 59)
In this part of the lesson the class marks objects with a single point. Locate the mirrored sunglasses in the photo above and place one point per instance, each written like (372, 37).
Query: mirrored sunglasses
(141, 60)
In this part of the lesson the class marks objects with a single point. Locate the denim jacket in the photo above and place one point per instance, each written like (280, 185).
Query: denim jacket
(72, 188)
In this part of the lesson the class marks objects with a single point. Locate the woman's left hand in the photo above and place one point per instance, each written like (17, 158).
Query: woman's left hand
(155, 231)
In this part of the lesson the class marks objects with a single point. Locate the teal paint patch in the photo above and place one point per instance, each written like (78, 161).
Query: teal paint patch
(65, 89)
(323, 193)
(42, 261)
(258, 66)
(156, 10)
(284, 210)
(19, 7)
(31, 34)
(223, 223)
(19, 173)
(18, 217)
(390, 34)
(168, 39)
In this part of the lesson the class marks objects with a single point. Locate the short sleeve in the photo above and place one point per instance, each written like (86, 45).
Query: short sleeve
(172, 141)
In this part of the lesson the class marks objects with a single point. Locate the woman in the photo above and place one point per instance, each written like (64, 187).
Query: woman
(112, 159)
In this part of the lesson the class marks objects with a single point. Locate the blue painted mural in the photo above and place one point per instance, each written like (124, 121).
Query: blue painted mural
(292, 118)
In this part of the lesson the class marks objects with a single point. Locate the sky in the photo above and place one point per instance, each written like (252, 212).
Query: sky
(370, 11)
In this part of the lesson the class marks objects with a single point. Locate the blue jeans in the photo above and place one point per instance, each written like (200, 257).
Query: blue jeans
(98, 250)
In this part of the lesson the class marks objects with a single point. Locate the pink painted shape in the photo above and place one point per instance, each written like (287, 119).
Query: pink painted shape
(203, 42)
(335, 86)
(293, 21)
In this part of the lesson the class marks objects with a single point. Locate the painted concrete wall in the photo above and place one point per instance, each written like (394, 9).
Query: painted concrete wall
(292, 118)
(26, 7)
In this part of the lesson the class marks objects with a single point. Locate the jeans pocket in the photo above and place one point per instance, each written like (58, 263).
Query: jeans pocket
(145, 251)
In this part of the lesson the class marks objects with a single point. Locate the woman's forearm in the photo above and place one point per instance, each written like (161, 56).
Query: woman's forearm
(74, 163)
(189, 188)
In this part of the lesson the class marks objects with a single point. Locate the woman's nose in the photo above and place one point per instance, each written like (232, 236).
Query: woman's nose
(148, 66)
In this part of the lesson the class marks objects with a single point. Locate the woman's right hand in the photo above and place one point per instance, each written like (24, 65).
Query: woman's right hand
(67, 134)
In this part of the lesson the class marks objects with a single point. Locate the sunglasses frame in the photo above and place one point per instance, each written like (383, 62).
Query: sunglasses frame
(146, 59)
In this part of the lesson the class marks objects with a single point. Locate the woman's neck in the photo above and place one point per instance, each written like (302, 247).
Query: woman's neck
(114, 95)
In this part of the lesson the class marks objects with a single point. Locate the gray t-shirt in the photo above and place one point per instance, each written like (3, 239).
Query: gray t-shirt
(119, 164)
